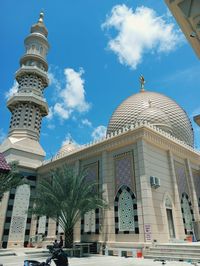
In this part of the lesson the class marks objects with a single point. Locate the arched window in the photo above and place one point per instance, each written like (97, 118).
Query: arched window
(187, 212)
(126, 218)
(41, 50)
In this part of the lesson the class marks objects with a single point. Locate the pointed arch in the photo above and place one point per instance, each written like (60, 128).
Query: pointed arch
(168, 207)
(126, 217)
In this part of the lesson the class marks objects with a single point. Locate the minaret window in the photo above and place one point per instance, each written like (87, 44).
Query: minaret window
(41, 50)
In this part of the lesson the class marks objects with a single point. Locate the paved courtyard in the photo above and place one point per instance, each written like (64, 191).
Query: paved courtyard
(92, 261)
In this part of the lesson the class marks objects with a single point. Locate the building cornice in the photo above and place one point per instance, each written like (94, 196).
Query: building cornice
(129, 136)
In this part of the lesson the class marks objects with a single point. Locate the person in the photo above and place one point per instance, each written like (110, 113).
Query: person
(55, 244)
(61, 242)
(59, 257)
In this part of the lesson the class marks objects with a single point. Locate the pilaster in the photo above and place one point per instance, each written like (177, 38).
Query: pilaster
(192, 191)
(178, 218)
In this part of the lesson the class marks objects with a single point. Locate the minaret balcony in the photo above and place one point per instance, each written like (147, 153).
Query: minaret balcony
(39, 36)
(32, 70)
(34, 57)
(28, 98)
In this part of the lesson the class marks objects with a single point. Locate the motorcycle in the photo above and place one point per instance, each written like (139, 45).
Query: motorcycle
(58, 256)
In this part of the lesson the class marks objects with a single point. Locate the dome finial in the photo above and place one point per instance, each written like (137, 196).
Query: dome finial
(142, 82)
(41, 16)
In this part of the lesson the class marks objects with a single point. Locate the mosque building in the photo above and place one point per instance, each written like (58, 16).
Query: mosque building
(146, 164)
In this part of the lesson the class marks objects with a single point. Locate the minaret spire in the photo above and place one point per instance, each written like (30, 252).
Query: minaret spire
(28, 105)
(41, 17)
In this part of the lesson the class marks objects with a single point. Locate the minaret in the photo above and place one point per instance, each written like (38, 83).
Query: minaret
(28, 105)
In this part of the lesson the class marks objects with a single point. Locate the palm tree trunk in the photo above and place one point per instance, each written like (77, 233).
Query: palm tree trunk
(69, 237)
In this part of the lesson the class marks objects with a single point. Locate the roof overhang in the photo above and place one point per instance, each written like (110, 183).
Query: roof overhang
(197, 119)
(187, 14)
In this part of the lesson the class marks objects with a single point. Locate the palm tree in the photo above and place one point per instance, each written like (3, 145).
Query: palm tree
(10, 179)
(66, 197)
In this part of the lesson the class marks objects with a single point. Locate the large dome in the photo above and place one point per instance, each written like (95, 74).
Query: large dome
(156, 109)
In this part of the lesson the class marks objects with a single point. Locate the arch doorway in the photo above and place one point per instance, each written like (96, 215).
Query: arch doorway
(170, 220)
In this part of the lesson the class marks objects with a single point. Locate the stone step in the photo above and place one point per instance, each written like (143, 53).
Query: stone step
(189, 246)
(173, 258)
(186, 252)
(4, 252)
(160, 253)
(168, 250)
(36, 252)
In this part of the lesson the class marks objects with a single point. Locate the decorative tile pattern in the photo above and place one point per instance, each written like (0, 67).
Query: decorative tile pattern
(19, 215)
(126, 212)
(90, 221)
(17, 225)
(124, 170)
(4, 166)
(181, 177)
(92, 171)
(123, 214)
(196, 178)
(187, 213)
(42, 225)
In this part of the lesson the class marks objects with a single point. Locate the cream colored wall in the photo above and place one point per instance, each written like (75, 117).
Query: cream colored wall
(154, 154)
(156, 163)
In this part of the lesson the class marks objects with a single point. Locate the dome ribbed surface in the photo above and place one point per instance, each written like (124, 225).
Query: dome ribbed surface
(164, 112)
(156, 117)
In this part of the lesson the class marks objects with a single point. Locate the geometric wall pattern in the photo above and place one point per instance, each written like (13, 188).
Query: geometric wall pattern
(124, 170)
(196, 178)
(126, 212)
(90, 221)
(19, 214)
(187, 213)
(181, 176)
(125, 207)
(42, 225)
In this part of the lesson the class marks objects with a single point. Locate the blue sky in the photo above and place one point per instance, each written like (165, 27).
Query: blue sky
(98, 50)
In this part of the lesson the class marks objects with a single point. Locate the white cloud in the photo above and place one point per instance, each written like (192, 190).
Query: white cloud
(61, 111)
(86, 122)
(74, 93)
(50, 114)
(99, 132)
(12, 90)
(53, 81)
(139, 32)
(71, 98)
(51, 126)
(2, 135)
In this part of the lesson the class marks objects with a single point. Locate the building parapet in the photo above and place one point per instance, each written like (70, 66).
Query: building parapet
(120, 132)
